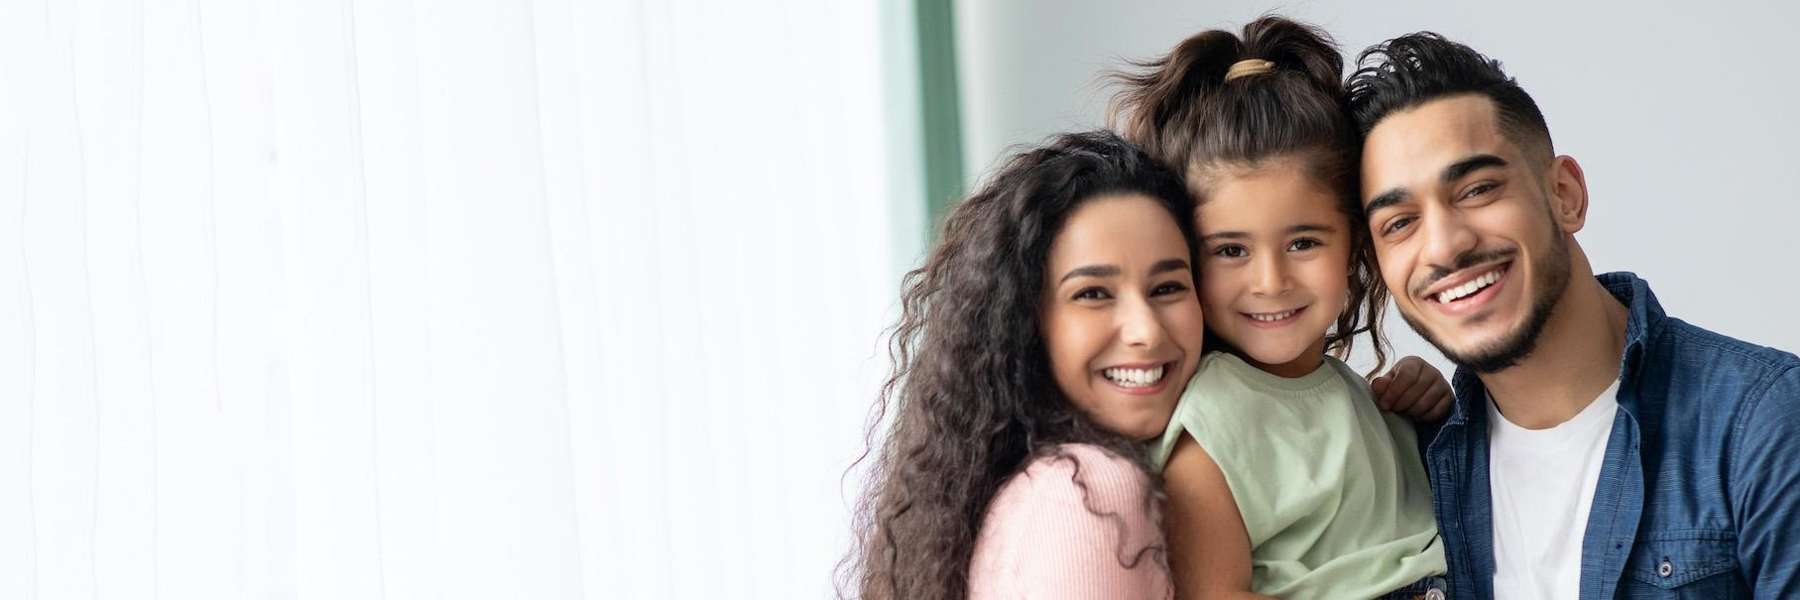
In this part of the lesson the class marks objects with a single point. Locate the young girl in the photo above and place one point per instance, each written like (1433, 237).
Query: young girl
(1045, 340)
(1283, 477)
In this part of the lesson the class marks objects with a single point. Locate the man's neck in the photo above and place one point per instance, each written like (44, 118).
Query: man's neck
(1576, 359)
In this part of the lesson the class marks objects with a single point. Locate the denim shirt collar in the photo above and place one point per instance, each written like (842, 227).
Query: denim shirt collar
(1643, 317)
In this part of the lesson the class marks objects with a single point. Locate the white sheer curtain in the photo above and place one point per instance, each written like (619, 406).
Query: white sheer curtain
(477, 299)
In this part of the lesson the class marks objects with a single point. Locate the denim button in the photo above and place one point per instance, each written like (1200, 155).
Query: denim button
(1666, 568)
(1434, 594)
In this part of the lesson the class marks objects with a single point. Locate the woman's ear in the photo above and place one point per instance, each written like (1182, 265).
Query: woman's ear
(1567, 187)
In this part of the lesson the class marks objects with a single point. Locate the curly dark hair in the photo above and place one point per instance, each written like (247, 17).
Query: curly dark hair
(1185, 111)
(971, 391)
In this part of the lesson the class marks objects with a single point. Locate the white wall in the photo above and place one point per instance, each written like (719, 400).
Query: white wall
(1682, 113)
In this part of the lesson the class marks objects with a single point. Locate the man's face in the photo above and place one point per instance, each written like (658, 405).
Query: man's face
(1463, 228)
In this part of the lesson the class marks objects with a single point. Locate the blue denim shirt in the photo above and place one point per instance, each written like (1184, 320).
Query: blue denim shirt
(1699, 493)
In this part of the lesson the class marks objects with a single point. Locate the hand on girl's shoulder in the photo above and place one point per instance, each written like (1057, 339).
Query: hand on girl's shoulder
(1413, 389)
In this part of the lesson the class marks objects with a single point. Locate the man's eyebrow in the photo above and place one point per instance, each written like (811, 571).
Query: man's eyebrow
(1471, 164)
(1090, 271)
(1455, 171)
(1384, 200)
(1168, 264)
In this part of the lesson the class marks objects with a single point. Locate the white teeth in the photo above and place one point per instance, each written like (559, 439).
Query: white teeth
(1472, 286)
(1274, 316)
(1134, 377)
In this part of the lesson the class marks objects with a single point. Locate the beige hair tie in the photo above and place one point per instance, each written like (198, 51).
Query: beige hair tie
(1248, 66)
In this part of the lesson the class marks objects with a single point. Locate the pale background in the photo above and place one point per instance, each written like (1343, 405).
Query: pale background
(1681, 113)
(486, 299)
(473, 299)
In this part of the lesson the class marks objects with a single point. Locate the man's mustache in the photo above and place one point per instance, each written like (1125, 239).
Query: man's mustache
(1465, 260)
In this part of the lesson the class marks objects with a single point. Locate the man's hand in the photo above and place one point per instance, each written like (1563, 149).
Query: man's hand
(1413, 389)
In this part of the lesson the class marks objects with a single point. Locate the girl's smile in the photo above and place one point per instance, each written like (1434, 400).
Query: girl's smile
(1275, 260)
(1270, 320)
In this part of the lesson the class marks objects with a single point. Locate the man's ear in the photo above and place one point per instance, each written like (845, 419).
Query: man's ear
(1567, 187)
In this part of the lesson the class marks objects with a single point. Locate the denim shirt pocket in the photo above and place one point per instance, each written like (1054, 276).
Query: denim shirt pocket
(1682, 564)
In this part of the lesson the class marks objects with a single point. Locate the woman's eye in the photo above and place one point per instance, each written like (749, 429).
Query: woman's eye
(1172, 287)
(1304, 244)
(1232, 251)
(1092, 293)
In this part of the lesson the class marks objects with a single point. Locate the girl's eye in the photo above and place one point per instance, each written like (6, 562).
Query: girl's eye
(1172, 287)
(1093, 293)
(1231, 251)
(1396, 225)
(1303, 244)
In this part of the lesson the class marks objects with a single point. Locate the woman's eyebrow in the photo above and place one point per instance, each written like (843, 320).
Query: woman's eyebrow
(1091, 271)
(1168, 264)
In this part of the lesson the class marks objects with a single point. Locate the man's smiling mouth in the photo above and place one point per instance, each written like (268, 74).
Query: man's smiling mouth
(1468, 288)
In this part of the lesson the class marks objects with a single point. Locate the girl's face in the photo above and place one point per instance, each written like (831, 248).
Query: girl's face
(1120, 319)
(1274, 265)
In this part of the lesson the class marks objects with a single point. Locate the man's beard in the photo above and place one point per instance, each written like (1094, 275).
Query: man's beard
(1550, 274)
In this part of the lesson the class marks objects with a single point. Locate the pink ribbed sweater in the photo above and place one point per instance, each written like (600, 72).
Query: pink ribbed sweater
(1038, 540)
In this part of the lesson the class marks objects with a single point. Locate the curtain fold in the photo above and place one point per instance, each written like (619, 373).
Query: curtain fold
(390, 299)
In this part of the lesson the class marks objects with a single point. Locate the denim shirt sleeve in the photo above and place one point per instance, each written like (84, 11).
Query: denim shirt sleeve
(1765, 488)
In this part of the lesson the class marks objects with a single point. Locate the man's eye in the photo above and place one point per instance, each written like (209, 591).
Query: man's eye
(1396, 225)
(1480, 189)
(1092, 293)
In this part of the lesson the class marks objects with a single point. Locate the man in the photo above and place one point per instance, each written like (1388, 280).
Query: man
(1597, 448)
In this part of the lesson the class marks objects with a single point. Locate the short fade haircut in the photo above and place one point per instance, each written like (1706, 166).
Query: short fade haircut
(1416, 68)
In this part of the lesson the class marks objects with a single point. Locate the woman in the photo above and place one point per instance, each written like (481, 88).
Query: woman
(1042, 343)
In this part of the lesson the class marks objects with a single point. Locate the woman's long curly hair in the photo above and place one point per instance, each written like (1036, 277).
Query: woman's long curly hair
(971, 392)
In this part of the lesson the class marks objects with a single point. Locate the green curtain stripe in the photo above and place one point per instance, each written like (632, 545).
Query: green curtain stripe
(942, 114)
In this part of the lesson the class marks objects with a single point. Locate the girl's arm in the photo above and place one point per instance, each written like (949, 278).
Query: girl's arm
(1209, 549)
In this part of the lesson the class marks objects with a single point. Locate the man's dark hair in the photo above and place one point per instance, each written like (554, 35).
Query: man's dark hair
(1416, 68)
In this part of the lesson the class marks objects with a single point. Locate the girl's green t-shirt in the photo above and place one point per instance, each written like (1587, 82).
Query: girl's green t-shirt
(1332, 490)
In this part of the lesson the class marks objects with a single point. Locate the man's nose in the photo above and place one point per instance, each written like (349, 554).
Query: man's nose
(1447, 237)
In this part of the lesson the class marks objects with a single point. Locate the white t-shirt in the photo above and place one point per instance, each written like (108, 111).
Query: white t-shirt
(1542, 482)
